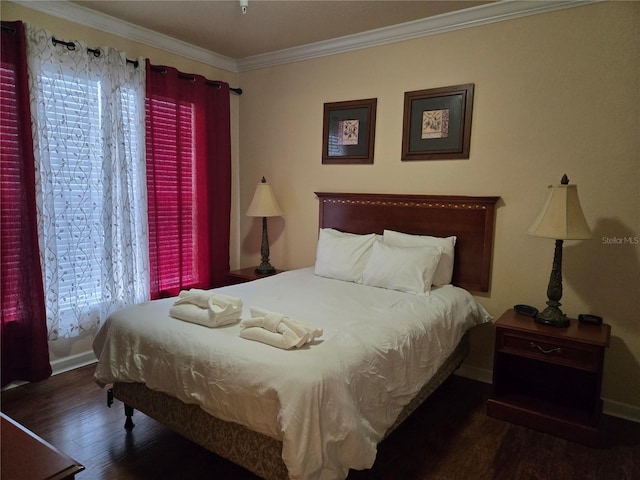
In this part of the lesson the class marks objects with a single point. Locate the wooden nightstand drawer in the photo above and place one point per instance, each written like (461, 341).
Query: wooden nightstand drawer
(549, 378)
(570, 354)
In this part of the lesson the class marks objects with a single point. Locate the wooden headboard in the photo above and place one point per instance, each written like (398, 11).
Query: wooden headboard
(470, 219)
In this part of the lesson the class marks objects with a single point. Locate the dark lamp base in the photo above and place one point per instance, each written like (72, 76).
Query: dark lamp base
(265, 269)
(553, 317)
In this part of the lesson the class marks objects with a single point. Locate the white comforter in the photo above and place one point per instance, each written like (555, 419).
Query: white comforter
(329, 402)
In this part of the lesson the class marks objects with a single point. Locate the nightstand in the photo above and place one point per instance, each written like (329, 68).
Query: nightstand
(549, 378)
(246, 275)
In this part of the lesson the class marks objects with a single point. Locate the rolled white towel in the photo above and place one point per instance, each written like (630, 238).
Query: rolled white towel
(259, 334)
(300, 328)
(297, 326)
(194, 296)
(288, 337)
(293, 333)
(270, 321)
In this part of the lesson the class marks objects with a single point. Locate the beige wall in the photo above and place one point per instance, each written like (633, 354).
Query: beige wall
(554, 93)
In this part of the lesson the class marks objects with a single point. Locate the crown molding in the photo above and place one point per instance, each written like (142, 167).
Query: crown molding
(106, 23)
(472, 17)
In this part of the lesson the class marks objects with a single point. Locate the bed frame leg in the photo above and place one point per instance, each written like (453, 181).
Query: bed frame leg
(128, 411)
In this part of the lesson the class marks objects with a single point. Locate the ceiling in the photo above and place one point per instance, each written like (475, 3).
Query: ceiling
(268, 25)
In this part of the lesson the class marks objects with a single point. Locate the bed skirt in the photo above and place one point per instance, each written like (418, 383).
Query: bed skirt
(254, 451)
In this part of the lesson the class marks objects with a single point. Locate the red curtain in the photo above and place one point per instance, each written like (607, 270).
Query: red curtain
(188, 149)
(25, 354)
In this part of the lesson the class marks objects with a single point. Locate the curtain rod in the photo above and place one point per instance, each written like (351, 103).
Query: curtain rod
(96, 52)
(191, 78)
(8, 28)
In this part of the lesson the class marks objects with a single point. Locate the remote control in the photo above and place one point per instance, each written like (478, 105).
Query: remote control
(526, 310)
(589, 319)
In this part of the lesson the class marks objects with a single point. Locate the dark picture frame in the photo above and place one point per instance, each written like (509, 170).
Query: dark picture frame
(437, 123)
(348, 133)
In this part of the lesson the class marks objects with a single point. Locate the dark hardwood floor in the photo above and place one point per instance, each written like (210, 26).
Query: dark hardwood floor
(449, 437)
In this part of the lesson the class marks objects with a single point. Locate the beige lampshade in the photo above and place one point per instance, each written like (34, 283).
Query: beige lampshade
(561, 217)
(264, 203)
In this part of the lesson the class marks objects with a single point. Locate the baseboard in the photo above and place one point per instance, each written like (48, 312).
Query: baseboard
(609, 407)
(621, 410)
(62, 365)
(72, 362)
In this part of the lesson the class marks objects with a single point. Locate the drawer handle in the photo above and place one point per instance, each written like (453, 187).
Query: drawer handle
(551, 350)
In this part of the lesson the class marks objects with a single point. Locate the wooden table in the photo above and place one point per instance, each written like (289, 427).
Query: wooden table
(549, 378)
(25, 456)
(246, 275)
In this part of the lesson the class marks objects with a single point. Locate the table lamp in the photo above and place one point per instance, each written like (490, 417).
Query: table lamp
(562, 219)
(264, 205)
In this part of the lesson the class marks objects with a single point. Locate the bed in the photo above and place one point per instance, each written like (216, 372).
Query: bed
(372, 375)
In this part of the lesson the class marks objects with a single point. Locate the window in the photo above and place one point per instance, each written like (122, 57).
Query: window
(11, 181)
(88, 129)
(75, 159)
(188, 158)
(171, 172)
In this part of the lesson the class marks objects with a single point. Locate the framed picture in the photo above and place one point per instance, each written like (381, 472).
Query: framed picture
(437, 123)
(348, 132)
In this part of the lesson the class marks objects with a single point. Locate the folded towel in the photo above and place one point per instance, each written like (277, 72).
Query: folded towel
(277, 330)
(261, 335)
(205, 299)
(201, 316)
(267, 320)
(206, 308)
(287, 337)
(300, 328)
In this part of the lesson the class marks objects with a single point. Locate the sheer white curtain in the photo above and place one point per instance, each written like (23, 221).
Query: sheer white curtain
(88, 128)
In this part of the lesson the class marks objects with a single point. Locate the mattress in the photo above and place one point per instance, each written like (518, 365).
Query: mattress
(330, 402)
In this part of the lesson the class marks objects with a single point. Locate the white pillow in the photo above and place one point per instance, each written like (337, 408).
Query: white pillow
(342, 255)
(408, 269)
(444, 272)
